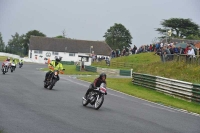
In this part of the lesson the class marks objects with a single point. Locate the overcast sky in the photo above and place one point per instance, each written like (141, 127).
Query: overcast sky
(89, 19)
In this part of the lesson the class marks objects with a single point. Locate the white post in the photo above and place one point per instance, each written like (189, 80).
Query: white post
(131, 73)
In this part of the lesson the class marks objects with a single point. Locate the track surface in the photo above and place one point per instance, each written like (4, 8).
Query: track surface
(26, 107)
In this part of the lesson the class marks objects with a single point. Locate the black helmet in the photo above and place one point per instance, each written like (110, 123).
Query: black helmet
(101, 75)
(58, 58)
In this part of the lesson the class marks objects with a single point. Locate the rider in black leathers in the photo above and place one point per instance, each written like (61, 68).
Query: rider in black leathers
(97, 82)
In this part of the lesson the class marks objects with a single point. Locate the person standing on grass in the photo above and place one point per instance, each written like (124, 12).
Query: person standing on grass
(191, 52)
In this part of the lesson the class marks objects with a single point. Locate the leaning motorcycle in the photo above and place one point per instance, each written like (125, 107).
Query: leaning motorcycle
(5, 67)
(12, 67)
(20, 64)
(52, 79)
(95, 97)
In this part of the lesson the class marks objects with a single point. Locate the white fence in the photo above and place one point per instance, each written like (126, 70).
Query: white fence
(9, 55)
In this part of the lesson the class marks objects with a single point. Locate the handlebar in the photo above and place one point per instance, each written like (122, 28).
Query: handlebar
(60, 71)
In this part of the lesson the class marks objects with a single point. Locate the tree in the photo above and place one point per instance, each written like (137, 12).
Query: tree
(2, 44)
(181, 28)
(15, 45)
(27, 37)
(59, 36)
(118, 36)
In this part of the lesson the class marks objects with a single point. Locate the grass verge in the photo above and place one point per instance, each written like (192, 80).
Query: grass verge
(149, 63)
(3, 58)
(126, 86)
(71, 70)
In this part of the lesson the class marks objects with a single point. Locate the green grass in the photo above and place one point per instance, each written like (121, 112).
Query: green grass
(71, 70)
(149, 63)
(2, 131)
(126, 86)
(137, 59)
(3, 58)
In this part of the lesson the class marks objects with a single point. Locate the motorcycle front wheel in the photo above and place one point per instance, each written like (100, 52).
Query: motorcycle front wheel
(99, 102)
(45, 85)
(52, 84)
(85, 102)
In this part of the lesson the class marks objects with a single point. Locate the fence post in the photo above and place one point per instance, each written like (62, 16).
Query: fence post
(131, 73)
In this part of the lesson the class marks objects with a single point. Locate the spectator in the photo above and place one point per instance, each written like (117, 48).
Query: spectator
(150, 48)
(117, 53)
(165, 53)
(161, 45)
(181, 50)
(191, 52)
(186, 49)
(135, 48)
(175, 49)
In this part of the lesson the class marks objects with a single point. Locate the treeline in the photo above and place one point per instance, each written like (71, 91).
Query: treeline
(18, 44)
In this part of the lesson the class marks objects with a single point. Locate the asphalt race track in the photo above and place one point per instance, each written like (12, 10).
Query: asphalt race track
(26, 107)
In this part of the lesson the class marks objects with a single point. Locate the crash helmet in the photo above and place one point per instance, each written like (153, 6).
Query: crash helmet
(101, 75)
(58, 58)
(8, 59)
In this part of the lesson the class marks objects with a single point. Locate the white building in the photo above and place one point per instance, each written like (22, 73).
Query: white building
(41, 48)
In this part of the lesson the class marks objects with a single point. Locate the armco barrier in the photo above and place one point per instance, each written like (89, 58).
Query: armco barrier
(196, 92)
(173, 87)
(67, 62)
(78, 68)
(108, 71)
(125, 73)
(91, 68)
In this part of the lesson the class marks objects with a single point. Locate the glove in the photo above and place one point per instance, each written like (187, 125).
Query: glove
(106, 93)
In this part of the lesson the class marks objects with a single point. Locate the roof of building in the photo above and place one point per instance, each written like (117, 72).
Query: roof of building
(68, 45)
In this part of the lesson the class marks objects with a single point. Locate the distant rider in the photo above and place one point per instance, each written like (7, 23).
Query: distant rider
(56, 65)
(21, 61)
(14, 61)
(7, 60)
(97, 82)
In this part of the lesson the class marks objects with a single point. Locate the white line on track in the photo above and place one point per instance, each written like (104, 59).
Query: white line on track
(122, 97)
(179, 110)
(158, 107)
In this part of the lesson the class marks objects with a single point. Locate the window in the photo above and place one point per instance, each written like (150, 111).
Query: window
(54, 53)
(37, 51)
(71, 54)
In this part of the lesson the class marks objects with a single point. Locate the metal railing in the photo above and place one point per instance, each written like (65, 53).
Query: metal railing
(189, 59)
(185, 90)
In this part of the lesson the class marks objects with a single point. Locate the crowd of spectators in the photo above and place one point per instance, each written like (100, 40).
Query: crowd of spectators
(165, 50)
(168, 51)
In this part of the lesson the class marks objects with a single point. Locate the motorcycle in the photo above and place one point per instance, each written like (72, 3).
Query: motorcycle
(5, 67)
(52, 79)
(13, 66)
(95, 97)
(20, 64)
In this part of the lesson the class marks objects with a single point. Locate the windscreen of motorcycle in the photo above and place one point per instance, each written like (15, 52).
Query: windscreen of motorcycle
(56, 72)
(6, 63)
(103, 88)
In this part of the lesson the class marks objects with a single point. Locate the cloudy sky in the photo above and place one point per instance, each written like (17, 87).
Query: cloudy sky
(89, 19)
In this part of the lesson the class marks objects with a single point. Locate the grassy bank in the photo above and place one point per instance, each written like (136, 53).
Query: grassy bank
(126, 86)
(150, 64)
(3, 58)
(71, 70)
